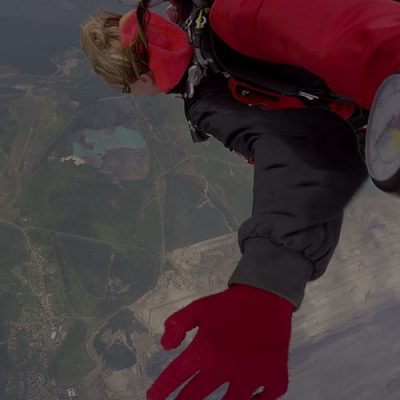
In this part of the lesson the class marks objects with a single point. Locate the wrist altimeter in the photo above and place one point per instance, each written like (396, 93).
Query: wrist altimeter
(382, 150)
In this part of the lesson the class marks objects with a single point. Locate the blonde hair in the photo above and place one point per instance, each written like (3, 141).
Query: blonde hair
(100, 41)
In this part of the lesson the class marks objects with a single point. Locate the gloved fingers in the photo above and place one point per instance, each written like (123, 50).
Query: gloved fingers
(268, 395)
(202, 385)
(176, 373)
(258, 393)
(177, 324)
(238, 392)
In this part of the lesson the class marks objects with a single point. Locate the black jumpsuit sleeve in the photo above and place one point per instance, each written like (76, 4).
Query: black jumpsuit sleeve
(306, 169)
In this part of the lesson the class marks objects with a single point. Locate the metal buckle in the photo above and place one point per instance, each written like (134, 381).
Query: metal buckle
(308, 96)
(195, 75)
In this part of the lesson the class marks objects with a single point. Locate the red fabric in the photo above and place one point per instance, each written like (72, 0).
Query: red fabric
(274, 101)
(262, 98)
(169, 50)
(352, 44)
(243, 338)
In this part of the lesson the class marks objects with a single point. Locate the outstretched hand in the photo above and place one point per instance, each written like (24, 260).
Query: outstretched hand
(243, 339)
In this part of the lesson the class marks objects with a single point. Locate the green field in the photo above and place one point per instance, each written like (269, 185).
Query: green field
(12, 250)
(136, 271)
(9, 310)
(31, 126)
(236, 182)
(98, 232)
(89, 269)
(90, 261)
(8, 130)
(77, 299)
(135, 267)
(186, 221)
(80, 201)
(65, 198)
(70, 363)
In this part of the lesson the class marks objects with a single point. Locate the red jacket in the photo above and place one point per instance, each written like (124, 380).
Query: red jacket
(352, 44)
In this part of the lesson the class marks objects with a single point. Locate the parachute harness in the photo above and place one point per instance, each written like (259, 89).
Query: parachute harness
(203, 59)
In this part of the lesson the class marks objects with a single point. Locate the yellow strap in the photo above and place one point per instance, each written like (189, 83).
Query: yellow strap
(199, 20)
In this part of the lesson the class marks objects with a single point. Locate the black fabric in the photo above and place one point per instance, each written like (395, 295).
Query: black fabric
(184, 8)
(306, 169)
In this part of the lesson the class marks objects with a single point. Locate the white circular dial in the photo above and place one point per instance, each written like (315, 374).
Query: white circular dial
(383, 134)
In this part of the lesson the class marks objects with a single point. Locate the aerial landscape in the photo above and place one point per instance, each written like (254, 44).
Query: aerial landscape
(111, 218)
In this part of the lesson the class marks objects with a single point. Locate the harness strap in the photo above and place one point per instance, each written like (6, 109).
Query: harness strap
(203, 59)
(273, 94)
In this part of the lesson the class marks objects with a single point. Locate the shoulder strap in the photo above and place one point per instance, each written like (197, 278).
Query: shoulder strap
(197, 27)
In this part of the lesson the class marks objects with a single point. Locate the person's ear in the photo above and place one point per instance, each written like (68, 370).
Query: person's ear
(147, 78)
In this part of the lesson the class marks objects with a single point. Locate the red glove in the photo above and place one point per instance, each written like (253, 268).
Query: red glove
(243, 339)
